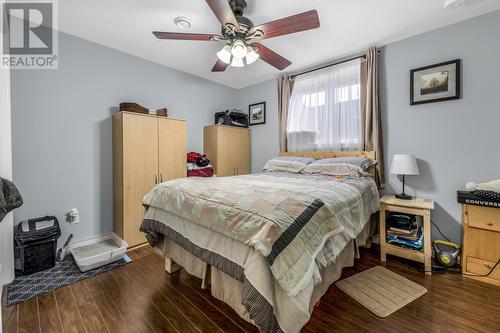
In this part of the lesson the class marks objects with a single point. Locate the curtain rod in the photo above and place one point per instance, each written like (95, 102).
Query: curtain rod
(330, 65)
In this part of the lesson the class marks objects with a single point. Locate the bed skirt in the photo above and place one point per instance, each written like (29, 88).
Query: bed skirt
(227, 279)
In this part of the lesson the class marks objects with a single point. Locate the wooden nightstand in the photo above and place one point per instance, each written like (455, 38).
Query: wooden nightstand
(416, 206)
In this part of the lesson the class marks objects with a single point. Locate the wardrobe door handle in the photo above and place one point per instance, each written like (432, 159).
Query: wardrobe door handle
(156, 179)
(161, 177)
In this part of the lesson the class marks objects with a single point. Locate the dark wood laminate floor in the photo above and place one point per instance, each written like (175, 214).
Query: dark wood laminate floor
(141, 297)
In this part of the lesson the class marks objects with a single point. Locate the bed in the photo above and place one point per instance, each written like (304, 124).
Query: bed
(268, 244)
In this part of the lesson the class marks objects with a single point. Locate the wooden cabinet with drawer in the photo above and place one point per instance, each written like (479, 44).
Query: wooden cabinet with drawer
(481, 245)
(228, 148)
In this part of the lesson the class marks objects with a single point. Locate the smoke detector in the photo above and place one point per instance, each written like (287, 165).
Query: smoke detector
(454, 4)
(183, 22)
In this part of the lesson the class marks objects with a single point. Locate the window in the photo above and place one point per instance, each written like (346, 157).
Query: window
(348, 93)
(314, 99)
(324, 111)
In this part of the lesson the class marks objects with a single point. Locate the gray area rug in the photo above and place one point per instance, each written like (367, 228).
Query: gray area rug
(62, 274)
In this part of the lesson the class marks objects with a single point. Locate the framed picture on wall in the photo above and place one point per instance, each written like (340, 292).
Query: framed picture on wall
(435, 83)
(257, 113)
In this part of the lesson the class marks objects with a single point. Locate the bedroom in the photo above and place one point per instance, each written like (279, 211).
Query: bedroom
(61, 131)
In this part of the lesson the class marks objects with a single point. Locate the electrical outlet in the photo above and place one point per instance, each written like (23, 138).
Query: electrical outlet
(73, 216)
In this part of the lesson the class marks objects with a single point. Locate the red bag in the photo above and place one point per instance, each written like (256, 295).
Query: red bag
(204, 172)
(192, 156)
(198, 159)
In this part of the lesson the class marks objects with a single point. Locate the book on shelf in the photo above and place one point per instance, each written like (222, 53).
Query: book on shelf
(402, 231)
(414, 244)
(413, 236)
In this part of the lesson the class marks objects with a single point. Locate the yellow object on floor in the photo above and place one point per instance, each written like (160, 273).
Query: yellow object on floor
(380, 290)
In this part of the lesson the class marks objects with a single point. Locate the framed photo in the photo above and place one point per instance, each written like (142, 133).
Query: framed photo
(435, 83)
(257, 114)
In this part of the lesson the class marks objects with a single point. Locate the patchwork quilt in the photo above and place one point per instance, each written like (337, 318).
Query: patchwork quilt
(287, 219)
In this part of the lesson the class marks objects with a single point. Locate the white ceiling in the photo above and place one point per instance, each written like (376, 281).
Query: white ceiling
(347, 27)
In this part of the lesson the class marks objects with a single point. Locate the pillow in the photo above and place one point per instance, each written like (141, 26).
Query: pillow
(363, 162)
(341, 166)
(288, 163)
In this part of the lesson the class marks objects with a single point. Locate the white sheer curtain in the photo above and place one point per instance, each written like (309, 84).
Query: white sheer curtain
(324, 112)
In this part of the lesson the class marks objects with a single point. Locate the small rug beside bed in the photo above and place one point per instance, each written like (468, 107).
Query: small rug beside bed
(381, 291)
(62, 274)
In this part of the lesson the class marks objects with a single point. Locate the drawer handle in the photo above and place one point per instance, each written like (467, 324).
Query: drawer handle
(485, 264)
(489, 224)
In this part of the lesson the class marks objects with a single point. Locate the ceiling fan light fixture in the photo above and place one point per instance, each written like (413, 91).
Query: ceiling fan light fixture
(237, 62)
(252, 56)
(225, 54)
(239, 49)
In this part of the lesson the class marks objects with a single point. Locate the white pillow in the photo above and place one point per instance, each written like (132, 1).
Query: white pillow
(354, 167)
(363, 162)
(288, 164)
(334, 169)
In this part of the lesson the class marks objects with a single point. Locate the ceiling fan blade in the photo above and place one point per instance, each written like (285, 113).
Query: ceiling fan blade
(220, 66)
(271, 57)
(223, 12)
(183, 36)
(289, 25)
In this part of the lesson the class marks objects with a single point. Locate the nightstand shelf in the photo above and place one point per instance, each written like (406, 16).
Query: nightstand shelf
(402, 252)
(416, 206)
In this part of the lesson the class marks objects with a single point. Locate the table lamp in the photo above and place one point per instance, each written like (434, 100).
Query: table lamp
(404, 164)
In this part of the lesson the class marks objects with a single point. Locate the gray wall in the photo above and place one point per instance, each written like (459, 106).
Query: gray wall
(61, 126)
(62, 129)
(265, 137)
(456, 141)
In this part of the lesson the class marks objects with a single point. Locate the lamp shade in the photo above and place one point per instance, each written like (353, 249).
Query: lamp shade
(404, 164)
(252, 56)
(239, 49)
(237, 62)
(225, 54)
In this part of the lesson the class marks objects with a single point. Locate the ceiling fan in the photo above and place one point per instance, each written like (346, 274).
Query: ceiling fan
(242, 36)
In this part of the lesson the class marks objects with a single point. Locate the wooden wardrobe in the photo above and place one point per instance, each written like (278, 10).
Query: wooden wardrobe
(228, 149)
(147, 150)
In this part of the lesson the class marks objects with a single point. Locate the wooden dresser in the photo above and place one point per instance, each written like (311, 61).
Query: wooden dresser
(481, 244)
(147, 150)
(228, 149)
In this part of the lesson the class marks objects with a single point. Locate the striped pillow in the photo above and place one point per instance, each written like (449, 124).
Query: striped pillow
(341, 166)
